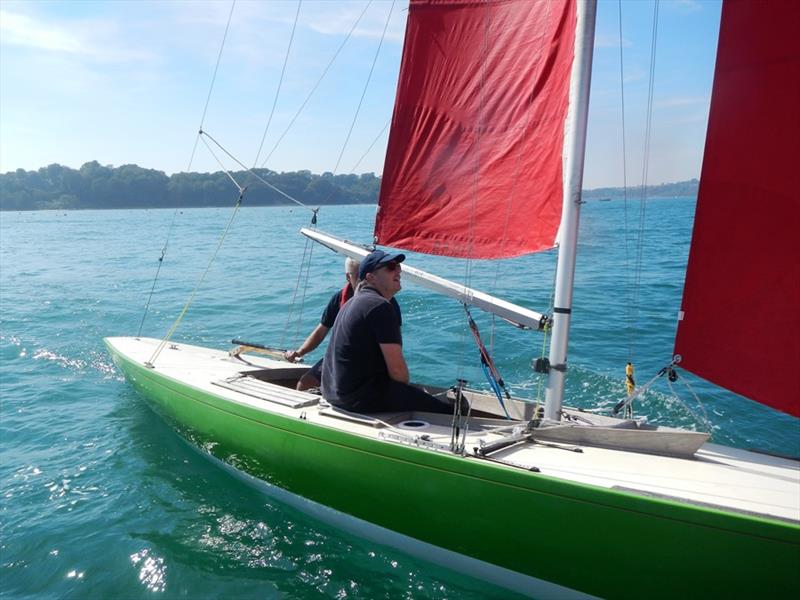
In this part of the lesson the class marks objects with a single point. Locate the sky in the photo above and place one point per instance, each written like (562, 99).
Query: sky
(131, 82)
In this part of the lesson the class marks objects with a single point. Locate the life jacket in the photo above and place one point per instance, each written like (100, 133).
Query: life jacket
(347, 293)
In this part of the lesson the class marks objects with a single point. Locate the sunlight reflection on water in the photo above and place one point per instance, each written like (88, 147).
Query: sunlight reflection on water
(152, 570)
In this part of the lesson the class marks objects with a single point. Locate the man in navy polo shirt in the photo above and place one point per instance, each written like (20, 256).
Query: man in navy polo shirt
(311, 378)
(364, 369)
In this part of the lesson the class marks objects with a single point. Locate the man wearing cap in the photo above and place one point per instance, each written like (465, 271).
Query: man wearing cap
(312, 377)
(364, 369)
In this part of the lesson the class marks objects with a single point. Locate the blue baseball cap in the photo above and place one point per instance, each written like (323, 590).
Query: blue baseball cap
(375, 259)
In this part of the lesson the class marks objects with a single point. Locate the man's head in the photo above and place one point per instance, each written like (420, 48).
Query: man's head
(351, 271)
(382, 270)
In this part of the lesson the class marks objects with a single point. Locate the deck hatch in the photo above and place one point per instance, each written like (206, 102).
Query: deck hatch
(269, 392)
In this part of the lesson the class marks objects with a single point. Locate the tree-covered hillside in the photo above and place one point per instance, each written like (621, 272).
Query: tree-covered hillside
(130, 186)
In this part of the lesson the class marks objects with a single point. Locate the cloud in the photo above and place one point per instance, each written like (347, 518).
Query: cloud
(21, 30)
(610, 41)
(93, 39)
(688, 6)
(253, 19)
(331, 19)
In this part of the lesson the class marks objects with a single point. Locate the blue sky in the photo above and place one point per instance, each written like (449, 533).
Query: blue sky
(127, 82)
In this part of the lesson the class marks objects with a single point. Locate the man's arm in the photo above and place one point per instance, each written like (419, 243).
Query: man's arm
(313, 340)
(395, 362)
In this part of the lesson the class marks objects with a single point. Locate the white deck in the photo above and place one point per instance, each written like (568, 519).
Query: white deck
(717, 476)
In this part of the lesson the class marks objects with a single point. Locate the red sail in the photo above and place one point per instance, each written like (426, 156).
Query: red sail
(740, 323)
(474, 163)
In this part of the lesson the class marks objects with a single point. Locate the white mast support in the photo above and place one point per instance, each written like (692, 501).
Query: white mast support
(513, 313)
(574, 148)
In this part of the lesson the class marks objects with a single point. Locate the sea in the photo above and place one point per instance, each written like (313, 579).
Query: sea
(99, 498)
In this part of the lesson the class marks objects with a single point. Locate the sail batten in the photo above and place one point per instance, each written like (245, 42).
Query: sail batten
(474, 162)
(745, 257)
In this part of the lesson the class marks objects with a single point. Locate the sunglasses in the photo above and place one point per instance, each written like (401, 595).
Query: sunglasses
(391, 266)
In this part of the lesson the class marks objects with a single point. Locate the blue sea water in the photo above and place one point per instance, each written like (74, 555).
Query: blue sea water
(100, 499)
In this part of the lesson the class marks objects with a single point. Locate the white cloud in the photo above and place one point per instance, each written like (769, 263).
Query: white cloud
(330, 19)
(610, 41)
(21, 30)
(92, 39)
(688, 6)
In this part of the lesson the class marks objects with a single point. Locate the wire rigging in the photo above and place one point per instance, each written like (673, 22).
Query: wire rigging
(375, 141)
(222, 166)
(257, 176)
(305, 269)
(645, 167)
(628, 309)
(316, 85)
(306, 251)
(151, 361)
(364, 91)
(188, 168)
(280, 84)
(158, 270)
(213, 81)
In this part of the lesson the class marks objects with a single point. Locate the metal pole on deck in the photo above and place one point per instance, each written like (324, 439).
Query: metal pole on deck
(574, 146)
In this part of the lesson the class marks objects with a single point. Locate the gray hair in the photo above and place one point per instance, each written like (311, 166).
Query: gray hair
(350, 263)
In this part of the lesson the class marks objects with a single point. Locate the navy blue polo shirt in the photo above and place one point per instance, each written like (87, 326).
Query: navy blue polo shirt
(354, 370)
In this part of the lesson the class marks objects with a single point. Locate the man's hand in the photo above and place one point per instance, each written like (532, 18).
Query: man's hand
(292, 355)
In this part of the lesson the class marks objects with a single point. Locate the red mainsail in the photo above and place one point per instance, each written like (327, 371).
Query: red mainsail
(740, 324)
(474, 162)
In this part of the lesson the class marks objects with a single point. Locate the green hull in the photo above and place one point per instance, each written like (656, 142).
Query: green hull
(595, 540)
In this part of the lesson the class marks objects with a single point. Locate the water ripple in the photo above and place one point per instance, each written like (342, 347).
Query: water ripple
(101, 499)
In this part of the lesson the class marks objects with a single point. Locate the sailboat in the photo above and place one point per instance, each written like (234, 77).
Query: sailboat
(559, 502)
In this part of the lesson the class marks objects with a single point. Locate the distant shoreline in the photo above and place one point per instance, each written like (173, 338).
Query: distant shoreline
(98, 187)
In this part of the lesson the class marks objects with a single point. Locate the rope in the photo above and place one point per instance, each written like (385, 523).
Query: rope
(186, 306)
(316, 85)
(257, 176)
(628, 313)
(150, 296)
(489, 369)
(645, 166)
(303, 297)
(460, 423)
(188, 168)
(219, 162)
(377, 137)
(695, 416)
(280, 84)
(296, 288)
(305, 251)
(213, 80)
(364, 91)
